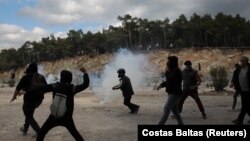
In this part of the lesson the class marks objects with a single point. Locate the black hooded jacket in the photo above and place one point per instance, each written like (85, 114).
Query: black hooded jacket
(25, 84)
(68, 89)
(173, 81)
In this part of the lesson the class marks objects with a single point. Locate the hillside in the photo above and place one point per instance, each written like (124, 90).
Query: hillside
(206, 57)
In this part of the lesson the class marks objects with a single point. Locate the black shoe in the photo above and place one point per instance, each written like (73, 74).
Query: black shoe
(237, 122)
(204, 116)
(23, 131)
(135, 111)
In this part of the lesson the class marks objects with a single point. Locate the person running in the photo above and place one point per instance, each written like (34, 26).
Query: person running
(191, 81)
(233, 83)
(31, 101)
(244, 83)
(173, 88)
(127, 91)
(68, 90)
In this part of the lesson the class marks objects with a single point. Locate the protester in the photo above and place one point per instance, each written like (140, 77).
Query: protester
(30, 100)
(63, 116)
(233, 83)
(127, 91)
(244, 83)
(191, 81)
(173, 88)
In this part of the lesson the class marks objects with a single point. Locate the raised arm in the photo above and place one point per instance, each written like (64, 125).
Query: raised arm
(85, 83)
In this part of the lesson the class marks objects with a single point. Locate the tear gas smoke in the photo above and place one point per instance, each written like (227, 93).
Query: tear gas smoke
(137, 69)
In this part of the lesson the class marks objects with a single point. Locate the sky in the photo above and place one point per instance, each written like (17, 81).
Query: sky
(31, 20)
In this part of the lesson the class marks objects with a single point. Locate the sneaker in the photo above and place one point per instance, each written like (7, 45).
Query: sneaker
(23, 131)
(237, 122)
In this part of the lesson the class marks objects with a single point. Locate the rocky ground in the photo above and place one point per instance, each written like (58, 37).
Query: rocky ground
(110, 121)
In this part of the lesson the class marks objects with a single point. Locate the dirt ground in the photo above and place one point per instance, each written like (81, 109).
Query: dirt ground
(111, 121)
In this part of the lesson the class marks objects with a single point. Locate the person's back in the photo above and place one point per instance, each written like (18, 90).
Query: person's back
(64, 87)
(33, 80)
(32, 100)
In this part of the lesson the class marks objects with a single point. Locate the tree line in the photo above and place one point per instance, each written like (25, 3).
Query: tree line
(135, 34)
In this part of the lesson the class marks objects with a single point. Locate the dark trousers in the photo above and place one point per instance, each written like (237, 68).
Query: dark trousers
(245, 107)
(130, 105)
(29, 110)
(194, 95)
(237, 92)
(52, 122)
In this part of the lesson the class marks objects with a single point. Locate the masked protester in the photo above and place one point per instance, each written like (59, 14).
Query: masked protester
(127, 91)
(62, 107)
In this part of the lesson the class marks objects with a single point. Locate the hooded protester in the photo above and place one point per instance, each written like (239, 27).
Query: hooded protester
(62, 107)
(127, 91)
(31, 101)
(173, 88)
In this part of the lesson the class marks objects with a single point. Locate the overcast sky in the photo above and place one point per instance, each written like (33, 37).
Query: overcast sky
(22, 20)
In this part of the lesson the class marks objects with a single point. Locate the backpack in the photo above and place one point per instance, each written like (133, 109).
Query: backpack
(36, 81)
(58, 107)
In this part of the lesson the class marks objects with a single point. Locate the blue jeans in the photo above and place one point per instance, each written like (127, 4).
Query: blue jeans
(171, 105)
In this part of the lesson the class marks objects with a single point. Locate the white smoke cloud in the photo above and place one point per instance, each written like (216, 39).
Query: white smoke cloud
(136, 66)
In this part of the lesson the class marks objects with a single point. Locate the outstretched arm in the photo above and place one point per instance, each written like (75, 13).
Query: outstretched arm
(85, 83)
(21, 85)
(163, 84)
(118, 86)
(16, 93)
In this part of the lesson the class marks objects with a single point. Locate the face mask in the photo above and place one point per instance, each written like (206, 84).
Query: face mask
(120, 75)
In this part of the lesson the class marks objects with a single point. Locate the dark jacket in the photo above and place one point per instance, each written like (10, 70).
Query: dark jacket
(189, 79)
(173, 82)
(25, 84)
(125, 86)
(68, 89)
(235, 79)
